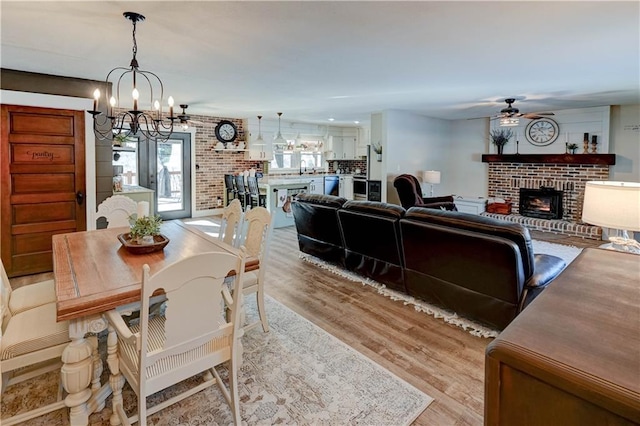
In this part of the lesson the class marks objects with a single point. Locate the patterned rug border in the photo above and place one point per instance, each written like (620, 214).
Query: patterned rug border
(408, 386)
(449, 317)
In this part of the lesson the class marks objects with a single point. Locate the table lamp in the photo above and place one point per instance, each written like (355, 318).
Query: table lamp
(431, 177)
(614, 205)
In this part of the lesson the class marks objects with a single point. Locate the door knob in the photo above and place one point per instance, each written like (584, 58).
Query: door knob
(79, 197)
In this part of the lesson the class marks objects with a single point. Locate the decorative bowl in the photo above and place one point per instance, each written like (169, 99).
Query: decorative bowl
(132, 246)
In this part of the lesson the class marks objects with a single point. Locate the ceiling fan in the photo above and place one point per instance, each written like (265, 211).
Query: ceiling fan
(185, 119)
(512, 112)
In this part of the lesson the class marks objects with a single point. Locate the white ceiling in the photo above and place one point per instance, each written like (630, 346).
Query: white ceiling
(317, 59)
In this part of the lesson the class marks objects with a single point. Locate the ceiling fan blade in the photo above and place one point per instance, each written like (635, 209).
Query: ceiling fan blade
(536, 115)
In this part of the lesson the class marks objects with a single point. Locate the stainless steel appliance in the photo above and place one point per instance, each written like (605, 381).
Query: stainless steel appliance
(374, 190)
(331, 185)
(359, 187)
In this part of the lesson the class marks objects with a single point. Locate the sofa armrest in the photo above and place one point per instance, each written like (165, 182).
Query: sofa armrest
(546, 268)
(441, 205)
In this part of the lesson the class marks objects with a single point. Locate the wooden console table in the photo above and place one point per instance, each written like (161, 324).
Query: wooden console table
(572, 357)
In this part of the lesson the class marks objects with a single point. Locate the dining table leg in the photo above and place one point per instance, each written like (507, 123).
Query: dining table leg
(81, 365)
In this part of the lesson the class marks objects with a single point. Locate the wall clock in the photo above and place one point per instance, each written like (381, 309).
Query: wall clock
(226, 131)
(542, 131)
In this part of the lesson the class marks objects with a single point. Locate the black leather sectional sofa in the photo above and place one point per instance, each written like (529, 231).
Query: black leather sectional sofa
(481, 268)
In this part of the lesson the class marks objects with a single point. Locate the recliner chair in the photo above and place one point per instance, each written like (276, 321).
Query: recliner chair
(410, 194)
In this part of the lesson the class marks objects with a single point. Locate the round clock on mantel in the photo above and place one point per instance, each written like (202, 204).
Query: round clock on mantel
(226, 131)
(542, 131)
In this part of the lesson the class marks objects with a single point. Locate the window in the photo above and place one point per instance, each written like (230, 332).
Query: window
(295, 156)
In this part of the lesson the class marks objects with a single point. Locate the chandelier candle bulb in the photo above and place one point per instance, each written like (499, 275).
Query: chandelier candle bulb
(96, 97)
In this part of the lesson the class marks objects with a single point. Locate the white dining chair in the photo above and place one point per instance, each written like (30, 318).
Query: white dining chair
(192, 336)
(256, 234)
(231, 221)
(31, 344)
(117, 209)
(28, 296)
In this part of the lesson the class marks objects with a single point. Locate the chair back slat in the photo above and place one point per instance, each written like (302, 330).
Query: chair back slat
(195, 309)
(231, 221)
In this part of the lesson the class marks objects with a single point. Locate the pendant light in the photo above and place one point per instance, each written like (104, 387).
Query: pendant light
(259, 141)
(279, 140)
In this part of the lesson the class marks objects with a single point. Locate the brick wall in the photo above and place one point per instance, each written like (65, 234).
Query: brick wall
(211, 166)
(505, 180)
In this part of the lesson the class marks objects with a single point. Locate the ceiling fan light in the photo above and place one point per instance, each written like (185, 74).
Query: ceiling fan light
(509, 121)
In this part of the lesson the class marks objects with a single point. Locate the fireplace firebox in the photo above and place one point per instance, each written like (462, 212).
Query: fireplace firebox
(543, 203)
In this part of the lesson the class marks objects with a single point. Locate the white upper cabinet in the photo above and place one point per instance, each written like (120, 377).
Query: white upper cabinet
(258, 150)
(363, 141)
(345, 146)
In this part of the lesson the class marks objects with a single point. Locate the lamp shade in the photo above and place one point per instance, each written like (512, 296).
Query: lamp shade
(431, 176)
(612, 205)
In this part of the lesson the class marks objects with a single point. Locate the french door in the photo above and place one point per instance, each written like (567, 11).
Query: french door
(165, 167)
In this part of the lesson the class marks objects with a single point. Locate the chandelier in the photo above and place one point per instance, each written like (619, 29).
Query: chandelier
(129, 122)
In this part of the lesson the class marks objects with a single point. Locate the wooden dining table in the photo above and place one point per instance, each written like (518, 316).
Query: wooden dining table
(95, 273)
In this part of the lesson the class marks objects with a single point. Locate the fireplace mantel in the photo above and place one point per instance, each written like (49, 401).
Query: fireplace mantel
(602, 159)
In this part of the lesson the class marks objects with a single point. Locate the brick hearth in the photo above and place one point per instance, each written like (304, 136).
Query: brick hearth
(506, 179)
(555, 226)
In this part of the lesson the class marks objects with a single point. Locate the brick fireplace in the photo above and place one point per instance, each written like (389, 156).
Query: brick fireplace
(566, 173)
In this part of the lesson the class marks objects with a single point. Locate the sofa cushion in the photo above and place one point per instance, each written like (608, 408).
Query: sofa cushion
(441, 205)
(511, 231)
(371, 236)
(316, 220)
(375, 207)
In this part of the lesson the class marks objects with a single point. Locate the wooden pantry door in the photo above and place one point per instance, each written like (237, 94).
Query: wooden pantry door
(42, 168)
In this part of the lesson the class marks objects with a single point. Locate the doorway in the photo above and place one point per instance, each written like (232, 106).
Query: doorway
(165, 167)
(43, 184)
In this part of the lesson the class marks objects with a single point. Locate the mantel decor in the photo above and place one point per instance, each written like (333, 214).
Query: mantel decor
(602, 159)
(500, 137)
(152, 125)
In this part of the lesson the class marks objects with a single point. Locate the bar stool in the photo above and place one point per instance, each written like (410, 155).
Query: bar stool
(242, 193)
(230, 188)
(255, 198)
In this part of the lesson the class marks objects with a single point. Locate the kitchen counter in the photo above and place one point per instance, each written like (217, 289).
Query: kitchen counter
(279, 193)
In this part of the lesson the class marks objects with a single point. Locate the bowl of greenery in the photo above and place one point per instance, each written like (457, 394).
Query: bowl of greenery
(144, 235)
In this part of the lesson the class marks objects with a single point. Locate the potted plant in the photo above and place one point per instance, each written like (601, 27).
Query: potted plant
(377, 148)
(572, 147)
(500, 137)
(144, 228)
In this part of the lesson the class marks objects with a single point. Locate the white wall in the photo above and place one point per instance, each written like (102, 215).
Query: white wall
(467, 174)
(572, 125)
(413, 143)
(64, 102)
(625, 143)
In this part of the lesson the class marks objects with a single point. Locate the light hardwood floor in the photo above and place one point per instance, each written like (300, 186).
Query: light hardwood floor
(442, 360)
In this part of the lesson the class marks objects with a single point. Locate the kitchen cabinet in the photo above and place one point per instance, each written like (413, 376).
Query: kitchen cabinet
(316, 185)
(363, 141)
(260, 152)
(342, 148)
(345, 187)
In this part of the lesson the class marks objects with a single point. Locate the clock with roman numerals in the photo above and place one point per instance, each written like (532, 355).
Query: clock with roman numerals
(542, 131)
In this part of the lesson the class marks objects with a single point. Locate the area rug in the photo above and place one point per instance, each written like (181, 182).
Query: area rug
(296, 374)
(567, 253)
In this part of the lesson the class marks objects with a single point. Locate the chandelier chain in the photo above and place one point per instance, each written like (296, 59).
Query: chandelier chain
(135, 43)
